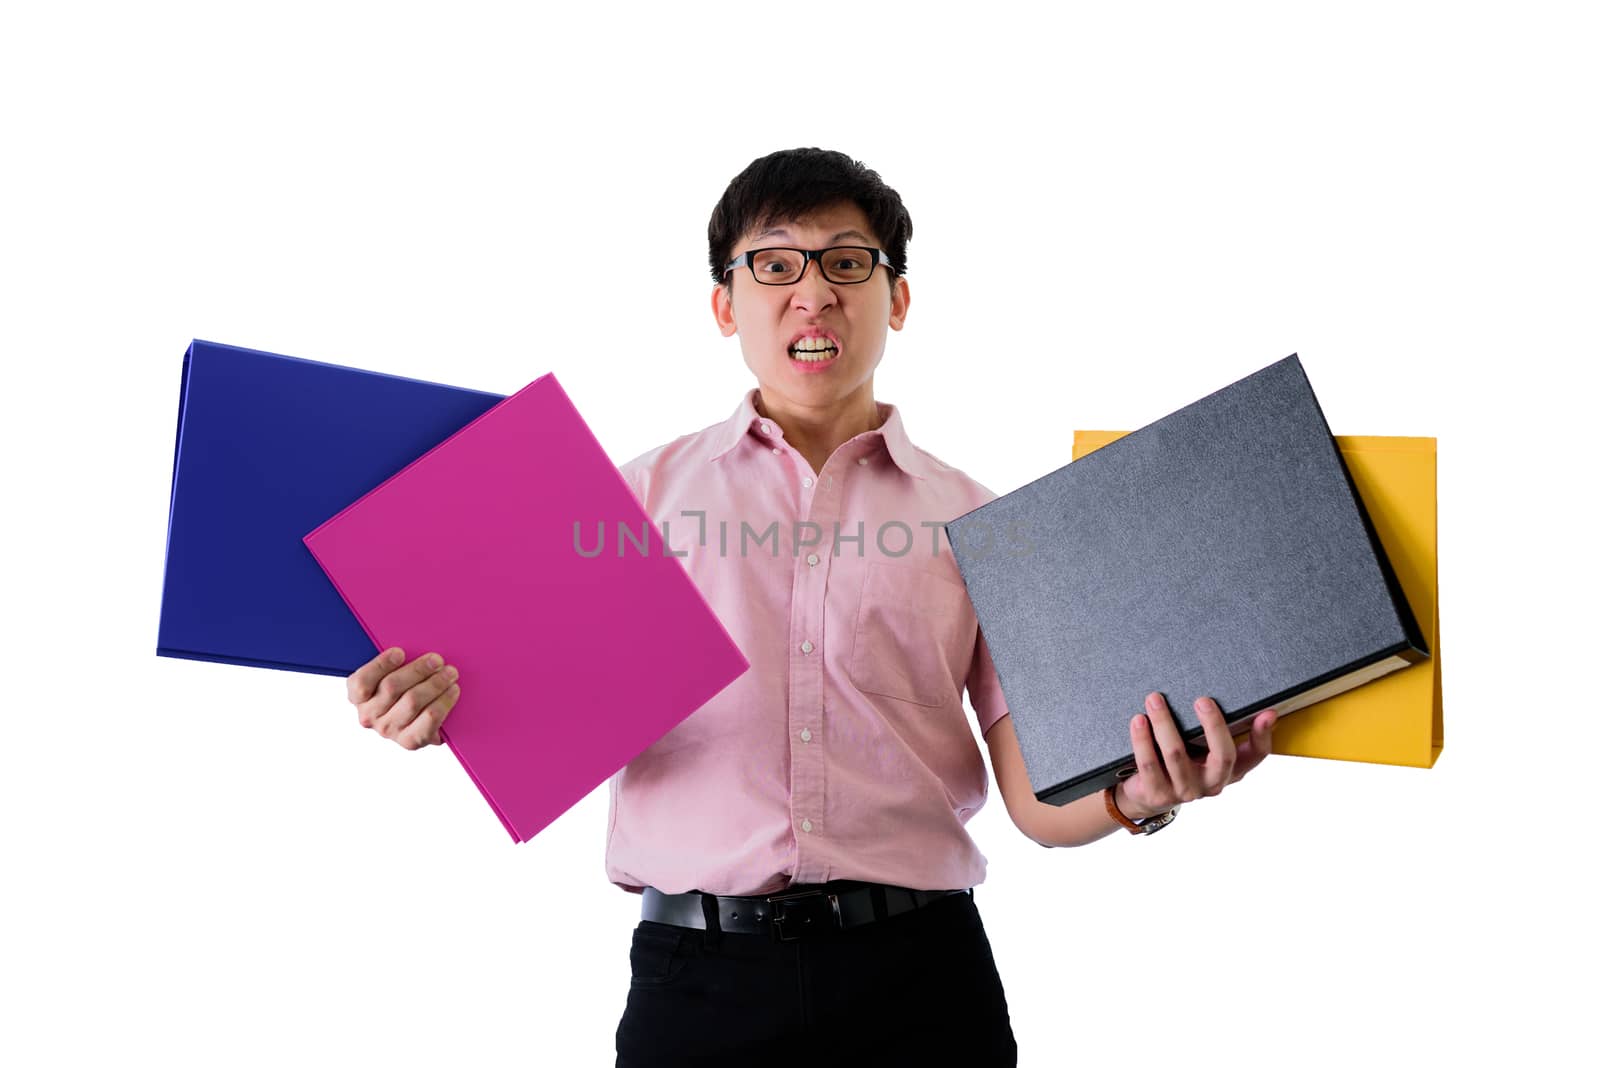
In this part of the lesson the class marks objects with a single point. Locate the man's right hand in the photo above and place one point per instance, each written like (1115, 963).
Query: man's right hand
(404, 702)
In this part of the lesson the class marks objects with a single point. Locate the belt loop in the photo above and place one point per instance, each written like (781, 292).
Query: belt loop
(880, 902)
(708, 906)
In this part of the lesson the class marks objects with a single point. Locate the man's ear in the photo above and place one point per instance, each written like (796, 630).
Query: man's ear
(722, 309)
(899, 302)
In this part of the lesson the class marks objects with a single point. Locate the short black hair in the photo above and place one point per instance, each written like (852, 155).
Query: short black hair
(793, 184)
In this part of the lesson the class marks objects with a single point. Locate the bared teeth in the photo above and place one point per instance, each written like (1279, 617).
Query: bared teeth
(813, 349)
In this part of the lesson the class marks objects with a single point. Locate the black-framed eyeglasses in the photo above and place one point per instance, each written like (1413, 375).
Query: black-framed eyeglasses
(843, 264)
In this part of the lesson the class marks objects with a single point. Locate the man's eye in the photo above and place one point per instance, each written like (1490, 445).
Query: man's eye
(847, 263)
(773, 267)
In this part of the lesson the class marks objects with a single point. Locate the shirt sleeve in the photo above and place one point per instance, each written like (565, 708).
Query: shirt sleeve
(983, 687)
(633, 473)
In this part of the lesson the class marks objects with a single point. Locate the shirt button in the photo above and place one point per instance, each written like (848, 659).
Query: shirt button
(805, 825)
(777, 450)
(805, 482)
(862, 461)
(806, 646)
(805, 734)
(812, 559)
(765, 429)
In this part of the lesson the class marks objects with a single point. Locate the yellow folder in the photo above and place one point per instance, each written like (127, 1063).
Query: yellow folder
(1399, 718)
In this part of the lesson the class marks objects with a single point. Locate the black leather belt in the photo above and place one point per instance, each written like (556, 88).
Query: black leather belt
(791, 914)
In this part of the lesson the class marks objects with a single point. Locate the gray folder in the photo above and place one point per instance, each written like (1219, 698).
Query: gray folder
(1220, 551)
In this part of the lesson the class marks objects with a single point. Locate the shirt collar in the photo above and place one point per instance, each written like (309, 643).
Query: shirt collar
(745, 421)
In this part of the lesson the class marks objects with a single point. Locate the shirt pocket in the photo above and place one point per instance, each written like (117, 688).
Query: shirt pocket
(914, 636)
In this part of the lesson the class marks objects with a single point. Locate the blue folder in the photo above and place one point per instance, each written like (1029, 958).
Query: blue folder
(268, 448)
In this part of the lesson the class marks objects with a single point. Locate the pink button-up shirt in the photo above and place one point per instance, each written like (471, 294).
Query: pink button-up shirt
(845, 751)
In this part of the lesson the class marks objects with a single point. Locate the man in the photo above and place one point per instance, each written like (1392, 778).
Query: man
(799, 842)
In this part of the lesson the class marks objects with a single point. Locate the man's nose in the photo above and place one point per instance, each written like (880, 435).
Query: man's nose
(813, 291)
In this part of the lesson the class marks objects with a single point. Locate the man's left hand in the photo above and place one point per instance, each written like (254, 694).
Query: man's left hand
(1167, 774)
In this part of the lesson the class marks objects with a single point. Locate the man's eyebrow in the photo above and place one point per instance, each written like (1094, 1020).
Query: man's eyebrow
(778, 231)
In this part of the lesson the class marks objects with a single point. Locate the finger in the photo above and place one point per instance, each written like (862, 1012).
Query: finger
(1217, 771)
(393, 723)
(1174, 754)
(397, 682)
(425, 731)
(1150, 786)
(1258, 746)
(363, 681)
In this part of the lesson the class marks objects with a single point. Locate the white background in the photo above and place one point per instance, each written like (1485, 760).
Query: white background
(1116, 212)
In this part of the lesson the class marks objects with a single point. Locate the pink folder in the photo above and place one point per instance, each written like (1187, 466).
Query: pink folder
(572, 662)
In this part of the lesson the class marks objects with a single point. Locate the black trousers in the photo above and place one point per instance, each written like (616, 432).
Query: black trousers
(915, 989)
